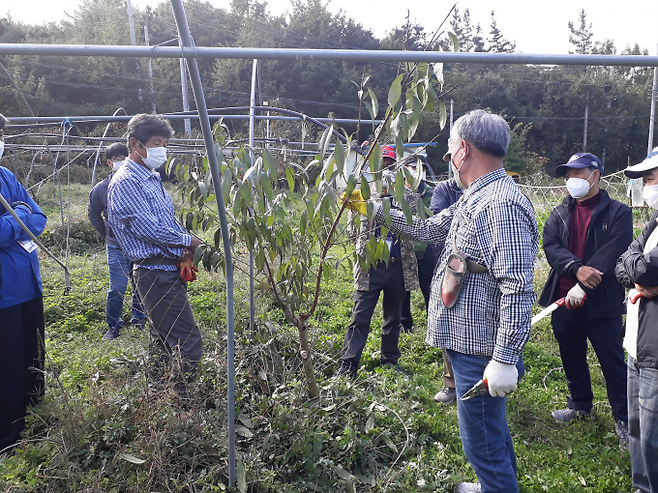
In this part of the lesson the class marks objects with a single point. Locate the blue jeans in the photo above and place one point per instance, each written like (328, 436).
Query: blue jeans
(643, 426)
(120, 268)
(486, 439)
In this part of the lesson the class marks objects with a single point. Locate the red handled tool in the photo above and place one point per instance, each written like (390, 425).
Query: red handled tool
(634, 297)
(479, 388)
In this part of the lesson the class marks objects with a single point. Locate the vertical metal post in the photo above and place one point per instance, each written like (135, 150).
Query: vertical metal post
(131, 24)
(150, 66)
(186, 99)
(451, 121)
(267, 126)
(252, 119)
(586, 119)
(653, 108)
(204, 120)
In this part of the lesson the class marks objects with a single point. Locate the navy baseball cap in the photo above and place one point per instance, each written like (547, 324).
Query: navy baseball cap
(579, 160)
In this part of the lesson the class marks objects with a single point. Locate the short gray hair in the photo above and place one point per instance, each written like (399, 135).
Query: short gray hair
(486, 131)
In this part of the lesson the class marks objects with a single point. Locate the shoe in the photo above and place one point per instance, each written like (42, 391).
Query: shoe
(446, 396)
(112, 333)
(138, 324)
(345, 370)
(568, 414)
(621, 428)
(468, 488)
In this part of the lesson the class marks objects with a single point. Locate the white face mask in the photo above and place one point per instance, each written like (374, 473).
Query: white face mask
(2, 147)
(117, 164)
(455, 173)
(650, 195)
(155, 157)
(578, 187)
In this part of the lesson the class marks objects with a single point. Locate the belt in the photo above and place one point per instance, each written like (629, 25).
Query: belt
(394, 259)
(159, 260)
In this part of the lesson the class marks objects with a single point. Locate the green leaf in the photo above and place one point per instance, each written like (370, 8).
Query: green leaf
(443, 114)
(290, 176)
(339, 157)
(395, 92)
(365, 188)
(374, 102)
(406, 208)
(241, 474)
(132, 459)
(454, 41)
(325, 141)
(227, 181)
(437, 68)
(270, 163)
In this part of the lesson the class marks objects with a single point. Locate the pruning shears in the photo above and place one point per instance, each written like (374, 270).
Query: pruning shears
(479, 388)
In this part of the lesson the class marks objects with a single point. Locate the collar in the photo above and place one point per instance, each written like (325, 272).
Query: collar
(139, 170)
(484, 180)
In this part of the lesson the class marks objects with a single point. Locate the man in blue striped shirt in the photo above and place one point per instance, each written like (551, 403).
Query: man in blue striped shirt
(485, 327)
(141, 214)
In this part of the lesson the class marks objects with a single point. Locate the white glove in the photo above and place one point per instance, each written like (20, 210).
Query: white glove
(501, 378)
(575, 298)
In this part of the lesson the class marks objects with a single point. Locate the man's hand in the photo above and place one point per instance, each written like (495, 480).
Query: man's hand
(194, 243)
(647, 291)
(356, 202)
(589, 276)
(186, 266)
(501, 378)
(575, 298)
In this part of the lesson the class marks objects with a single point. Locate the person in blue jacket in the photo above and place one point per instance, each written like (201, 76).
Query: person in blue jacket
(21, 307)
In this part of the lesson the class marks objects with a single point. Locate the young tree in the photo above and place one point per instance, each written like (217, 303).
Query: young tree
(293, 241)
(581, 38)
(497, 42)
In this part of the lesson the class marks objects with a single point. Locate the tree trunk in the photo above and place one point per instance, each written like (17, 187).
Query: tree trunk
(307, 358)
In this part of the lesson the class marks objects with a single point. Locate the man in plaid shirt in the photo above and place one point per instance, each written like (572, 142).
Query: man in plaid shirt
(493, 226)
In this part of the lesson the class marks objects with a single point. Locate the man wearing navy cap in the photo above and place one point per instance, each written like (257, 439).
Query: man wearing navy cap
(583, 237)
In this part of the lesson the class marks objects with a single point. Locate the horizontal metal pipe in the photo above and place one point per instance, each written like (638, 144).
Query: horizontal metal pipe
(103, 119)
(325, 54)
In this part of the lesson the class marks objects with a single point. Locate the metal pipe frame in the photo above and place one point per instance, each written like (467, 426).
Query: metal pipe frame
(24, 49)
(204, 120)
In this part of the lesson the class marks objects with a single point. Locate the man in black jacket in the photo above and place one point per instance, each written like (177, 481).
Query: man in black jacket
(637, 269)
(583, 237)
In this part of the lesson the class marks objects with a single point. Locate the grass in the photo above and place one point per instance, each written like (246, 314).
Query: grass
(99, 428)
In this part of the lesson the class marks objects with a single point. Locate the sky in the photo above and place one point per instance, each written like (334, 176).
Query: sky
(536, 26)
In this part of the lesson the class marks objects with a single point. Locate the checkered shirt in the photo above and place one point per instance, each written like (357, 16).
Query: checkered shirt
(494, 224)
(141, 215)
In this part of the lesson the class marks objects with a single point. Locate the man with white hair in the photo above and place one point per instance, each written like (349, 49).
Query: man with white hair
(481, 297)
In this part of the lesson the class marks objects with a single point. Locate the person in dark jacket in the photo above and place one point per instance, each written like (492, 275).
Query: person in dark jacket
(21, 307)
(637, 269)
(583, 237)
(426, 253)
(445, 194)
(119, 264)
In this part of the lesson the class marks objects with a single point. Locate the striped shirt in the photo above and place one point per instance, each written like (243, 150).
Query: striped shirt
(494, 224)
(141, 215)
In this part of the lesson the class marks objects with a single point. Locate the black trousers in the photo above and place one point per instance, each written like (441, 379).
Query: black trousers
(391, 281)
(426, 265)
(21, 366)
(572, 329)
